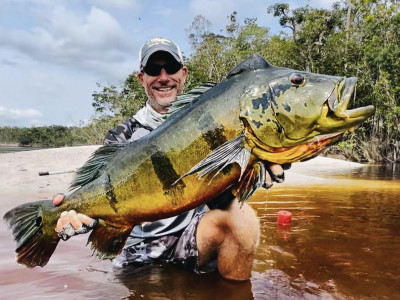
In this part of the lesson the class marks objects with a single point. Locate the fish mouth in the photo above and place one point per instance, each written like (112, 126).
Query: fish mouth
(335, 117)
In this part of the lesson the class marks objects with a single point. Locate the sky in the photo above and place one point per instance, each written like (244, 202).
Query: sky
(54, 52)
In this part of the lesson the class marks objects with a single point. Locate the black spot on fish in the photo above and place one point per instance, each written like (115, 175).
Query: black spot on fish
(278, 126)
(215, 138)
(279, 89)
(166, 172)
(287, 107)
(110, 194)
(264, 101)
(258, 124)
(213, 133)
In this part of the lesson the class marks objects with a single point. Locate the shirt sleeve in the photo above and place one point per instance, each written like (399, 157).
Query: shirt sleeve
(122, 132)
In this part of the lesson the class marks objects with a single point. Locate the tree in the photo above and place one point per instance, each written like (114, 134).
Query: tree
(121, 103)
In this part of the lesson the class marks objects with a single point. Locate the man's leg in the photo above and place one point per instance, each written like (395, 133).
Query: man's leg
(232, 236)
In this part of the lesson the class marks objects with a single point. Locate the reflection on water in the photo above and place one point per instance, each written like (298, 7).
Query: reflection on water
(343, 242)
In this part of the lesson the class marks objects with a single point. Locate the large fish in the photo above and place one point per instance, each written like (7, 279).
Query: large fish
(258, 113)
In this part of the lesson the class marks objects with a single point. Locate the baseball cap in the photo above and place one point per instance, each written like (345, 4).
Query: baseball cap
(159, 44)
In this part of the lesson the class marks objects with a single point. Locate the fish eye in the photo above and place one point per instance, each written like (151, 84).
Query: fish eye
(296, 79)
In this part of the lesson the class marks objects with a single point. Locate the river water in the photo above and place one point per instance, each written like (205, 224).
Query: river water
(343, 243)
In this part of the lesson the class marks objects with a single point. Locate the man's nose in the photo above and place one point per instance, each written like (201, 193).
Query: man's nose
(163, 75)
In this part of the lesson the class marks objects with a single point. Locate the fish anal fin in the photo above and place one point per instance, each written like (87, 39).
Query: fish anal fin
(107, 240)
(251, 181)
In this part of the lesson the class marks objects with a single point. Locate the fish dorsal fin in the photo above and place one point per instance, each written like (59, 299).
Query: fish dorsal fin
(190, 97)
(253, 62)
(90, 170)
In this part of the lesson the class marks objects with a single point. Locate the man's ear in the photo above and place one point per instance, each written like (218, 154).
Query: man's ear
(185, 72)
(140, 76)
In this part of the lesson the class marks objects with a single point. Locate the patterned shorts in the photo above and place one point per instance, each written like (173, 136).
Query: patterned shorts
(180, 250)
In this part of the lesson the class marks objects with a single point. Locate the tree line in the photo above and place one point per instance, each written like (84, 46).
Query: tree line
(354, 38)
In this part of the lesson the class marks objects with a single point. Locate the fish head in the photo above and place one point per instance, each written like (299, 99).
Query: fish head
(285, 110)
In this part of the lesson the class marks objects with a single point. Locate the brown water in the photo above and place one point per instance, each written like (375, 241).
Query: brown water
(343, 243)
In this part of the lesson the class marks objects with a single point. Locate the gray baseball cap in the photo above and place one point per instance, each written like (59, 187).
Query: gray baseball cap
(159, 44)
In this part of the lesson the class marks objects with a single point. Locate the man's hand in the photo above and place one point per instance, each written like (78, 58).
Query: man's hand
(275, 172)
(70, 222)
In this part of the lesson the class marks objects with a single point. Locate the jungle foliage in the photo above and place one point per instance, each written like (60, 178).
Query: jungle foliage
(354, 38)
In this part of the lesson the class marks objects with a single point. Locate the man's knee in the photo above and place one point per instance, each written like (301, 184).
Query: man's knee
(245, 226)
(237, 220)
(237, 251)
(232, 236)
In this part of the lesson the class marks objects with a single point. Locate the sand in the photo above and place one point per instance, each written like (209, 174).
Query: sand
(20, 178)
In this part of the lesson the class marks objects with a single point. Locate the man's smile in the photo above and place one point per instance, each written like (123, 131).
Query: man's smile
(164, 89)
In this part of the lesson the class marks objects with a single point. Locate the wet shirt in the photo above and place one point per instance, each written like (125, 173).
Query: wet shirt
(136, 127)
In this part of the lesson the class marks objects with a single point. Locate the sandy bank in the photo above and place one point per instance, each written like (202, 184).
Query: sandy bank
(19, 175)
(20, 171)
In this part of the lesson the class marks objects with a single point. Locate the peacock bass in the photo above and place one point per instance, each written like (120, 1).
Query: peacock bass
(257, 113)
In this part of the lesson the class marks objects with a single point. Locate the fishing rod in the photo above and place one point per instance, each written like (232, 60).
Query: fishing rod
(45, 173)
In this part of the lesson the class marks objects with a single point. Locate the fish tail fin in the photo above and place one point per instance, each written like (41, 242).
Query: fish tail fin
(34, 244)
(107, 240)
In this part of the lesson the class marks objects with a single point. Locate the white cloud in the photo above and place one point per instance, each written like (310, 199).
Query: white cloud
(16, 116)
(77, 42)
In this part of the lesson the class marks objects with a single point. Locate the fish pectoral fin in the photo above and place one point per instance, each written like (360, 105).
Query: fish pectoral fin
(251, 181)
(228, 153)
(107, 240)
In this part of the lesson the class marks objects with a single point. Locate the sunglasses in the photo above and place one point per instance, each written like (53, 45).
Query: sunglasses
(155, 70)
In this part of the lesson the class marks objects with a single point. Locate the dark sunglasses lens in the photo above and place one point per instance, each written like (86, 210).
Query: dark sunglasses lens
(155, 70)
(172, 68)
(152, 69)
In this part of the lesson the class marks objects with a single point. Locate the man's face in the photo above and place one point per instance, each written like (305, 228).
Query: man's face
(163, 88)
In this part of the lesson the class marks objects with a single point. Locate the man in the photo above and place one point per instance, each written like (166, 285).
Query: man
(223, 238)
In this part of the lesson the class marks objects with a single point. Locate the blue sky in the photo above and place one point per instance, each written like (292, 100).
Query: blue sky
(53, 52)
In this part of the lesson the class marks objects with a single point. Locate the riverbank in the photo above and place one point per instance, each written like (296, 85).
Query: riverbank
(9, 148)
(20, 171)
